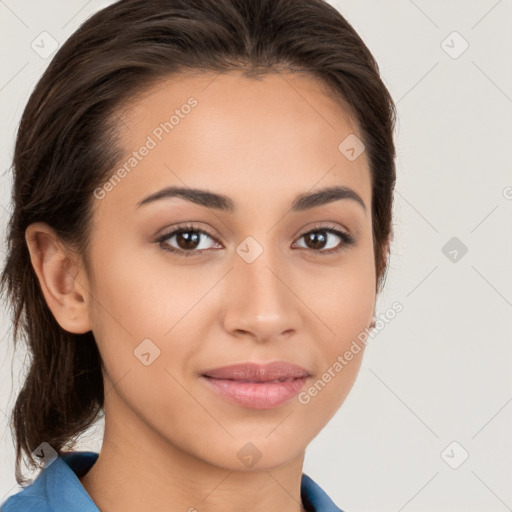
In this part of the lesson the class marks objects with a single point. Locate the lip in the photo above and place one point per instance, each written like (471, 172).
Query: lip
(255, 372)
(258, 386)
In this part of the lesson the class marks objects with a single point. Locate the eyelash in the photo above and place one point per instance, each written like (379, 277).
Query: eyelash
(348, 240)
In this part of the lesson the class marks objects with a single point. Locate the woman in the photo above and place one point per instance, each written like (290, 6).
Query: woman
(202, 220)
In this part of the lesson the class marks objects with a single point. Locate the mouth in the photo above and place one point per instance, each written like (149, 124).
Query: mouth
(254, 372)
(257, 386)
(256, 381)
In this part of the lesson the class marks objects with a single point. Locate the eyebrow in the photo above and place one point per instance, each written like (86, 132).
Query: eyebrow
(223, 203)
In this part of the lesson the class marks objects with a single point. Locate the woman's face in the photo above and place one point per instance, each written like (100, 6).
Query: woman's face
(246, 283)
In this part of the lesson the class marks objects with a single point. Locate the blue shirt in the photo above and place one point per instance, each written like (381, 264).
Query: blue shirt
(58, 489)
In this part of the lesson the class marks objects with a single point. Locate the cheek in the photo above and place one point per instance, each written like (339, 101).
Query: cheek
(136, 301)
(138, 317)
(342, 295)
(128, 307)
(342, 301)
(133, 296)
(345, 308)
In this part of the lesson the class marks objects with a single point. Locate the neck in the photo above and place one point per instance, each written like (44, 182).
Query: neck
(138, 469)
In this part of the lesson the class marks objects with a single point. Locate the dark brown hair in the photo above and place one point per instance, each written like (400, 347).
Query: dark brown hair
(66, 146)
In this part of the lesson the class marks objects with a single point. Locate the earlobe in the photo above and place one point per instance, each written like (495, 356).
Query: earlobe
(57, 269)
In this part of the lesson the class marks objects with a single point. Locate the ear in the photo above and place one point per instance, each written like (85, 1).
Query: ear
(58, 270)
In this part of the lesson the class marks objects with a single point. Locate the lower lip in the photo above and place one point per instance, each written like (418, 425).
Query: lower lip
(256, 395)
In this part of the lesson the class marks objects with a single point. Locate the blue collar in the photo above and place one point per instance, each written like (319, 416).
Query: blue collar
(58, 489)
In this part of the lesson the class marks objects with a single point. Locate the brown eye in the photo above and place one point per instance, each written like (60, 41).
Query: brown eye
(316, 240)
(319, 238)
(186, 241)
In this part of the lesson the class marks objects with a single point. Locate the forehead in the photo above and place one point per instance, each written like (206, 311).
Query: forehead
(225, 131)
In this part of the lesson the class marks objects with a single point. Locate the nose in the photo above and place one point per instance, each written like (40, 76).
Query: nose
(260, 299)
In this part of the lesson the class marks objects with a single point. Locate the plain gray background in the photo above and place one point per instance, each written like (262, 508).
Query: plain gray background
(439, 372)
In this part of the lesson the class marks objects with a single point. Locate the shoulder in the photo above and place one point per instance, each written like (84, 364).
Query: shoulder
(32, 497)
(26, 500)
(57, 487)
(314, 498)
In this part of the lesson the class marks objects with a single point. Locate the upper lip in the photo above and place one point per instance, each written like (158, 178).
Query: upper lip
(258, 372)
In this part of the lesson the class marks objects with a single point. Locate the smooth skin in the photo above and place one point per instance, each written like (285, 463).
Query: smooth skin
(169, 442)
